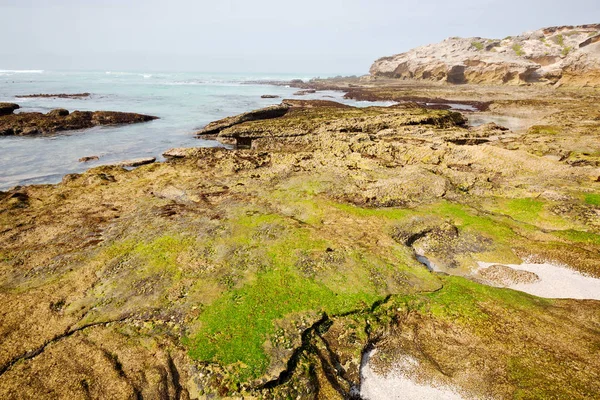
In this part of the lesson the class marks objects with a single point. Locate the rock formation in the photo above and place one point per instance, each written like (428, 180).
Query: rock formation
(8, 108)
(34, 123)
(568, 55)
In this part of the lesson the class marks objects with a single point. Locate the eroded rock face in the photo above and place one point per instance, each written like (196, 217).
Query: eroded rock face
(34, 123)
(567, 55)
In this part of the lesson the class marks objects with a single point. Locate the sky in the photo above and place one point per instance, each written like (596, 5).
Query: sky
(310, 36)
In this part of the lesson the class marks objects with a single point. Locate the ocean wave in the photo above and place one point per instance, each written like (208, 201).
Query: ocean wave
(20, 71)
(118, 73)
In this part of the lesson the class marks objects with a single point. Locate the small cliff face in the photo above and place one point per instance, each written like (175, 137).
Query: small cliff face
(568, 55)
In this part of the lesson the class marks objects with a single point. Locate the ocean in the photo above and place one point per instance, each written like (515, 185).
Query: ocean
(185, 102)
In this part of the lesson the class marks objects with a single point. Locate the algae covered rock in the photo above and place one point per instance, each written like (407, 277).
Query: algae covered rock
(33, 123)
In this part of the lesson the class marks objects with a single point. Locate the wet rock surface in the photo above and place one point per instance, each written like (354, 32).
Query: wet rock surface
(34, 123)
(136, 162)
(272, 271)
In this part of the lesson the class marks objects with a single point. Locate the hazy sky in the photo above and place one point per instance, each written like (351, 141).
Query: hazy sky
(326, 36)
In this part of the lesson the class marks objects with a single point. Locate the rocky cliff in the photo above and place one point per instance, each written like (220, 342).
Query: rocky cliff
(565, 55)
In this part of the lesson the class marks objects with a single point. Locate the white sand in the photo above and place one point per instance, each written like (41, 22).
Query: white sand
(398, 385)
(557, 282)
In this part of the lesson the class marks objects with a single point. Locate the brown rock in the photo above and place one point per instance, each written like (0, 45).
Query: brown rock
(59, 112)
(60, 120)
(264, 113)
(136, 162)
(8, 108)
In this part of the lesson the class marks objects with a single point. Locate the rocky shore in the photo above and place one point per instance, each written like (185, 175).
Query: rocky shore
(275, 270)
(34, 123)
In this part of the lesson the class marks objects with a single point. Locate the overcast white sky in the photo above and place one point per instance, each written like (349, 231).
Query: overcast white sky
(314, 36)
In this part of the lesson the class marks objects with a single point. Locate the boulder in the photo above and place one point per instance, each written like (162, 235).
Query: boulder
(59, 112)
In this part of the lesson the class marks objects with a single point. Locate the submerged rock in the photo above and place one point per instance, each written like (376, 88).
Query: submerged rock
(305, 92)
(89, 158)
(58, 95)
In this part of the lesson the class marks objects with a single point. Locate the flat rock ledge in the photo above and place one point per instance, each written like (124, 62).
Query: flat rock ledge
(136, 162)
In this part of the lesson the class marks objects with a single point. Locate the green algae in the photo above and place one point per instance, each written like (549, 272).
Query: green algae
(234, 329)
(592, 199)
(578, 236)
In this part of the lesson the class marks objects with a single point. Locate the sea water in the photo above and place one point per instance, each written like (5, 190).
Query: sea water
(184, 102)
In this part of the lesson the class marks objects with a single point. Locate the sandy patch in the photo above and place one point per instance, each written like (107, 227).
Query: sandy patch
(555, 281)
(397, 384)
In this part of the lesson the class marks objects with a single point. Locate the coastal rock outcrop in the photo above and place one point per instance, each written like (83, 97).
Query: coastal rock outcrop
(567, 55)
(34, 123)
(8, 108)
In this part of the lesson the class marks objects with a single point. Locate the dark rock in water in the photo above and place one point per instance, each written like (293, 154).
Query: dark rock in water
(305, 92)
(136, 162)
(59, 112)
(89, 158)
(55, 96)
(269, 96)
(34, 123)
(8, 108)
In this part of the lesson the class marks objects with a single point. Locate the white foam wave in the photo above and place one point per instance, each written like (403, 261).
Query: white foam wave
(20, 71)
(119, 73)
